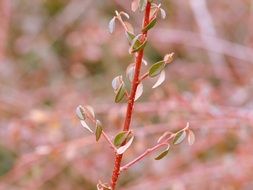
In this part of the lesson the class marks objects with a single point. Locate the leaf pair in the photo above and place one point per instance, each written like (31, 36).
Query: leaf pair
(112, 22)
(119, 88)
(136, 43)
(87, 112)
(84, 113)
(158, 69)
(180, 136)
(123, 141)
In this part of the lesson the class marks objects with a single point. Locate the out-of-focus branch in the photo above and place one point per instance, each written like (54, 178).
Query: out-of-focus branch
(5, 9)
(188, 38)
(206, 26)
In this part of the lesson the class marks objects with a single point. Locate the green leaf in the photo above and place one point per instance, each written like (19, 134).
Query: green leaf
(123, 148)
(140, 47)
(191, 137)
(80, 112)
(163, 154)
(99, 130)
(120, 93)
(120, 138)
(180, 136)
(135, 43)
(111, 25)
(142, 4)
(130, 36)
(150, 25)
(156, 68)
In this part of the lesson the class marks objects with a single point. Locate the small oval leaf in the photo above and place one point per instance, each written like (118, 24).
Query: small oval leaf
(163, 13)
(111, 25)
(90, 111)
(156, 69)
(180, 136)
(123, 148)
(140, 47)
(150, 25)
(160, 80)
(84, 124)
(130, 36)
(99, 130)
(163, 154)
(139, 91)
(130, 71)
(116, 82)
(80, 112)
(134, 43)
(191, 137)
(120, 138)
(120, 94)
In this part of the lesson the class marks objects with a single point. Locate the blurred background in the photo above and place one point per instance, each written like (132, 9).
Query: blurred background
(55, 55)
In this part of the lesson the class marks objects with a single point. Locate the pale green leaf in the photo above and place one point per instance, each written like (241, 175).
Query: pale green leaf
(163, 154)
(111, 25)
(116, 82)
(140, 47)
(120, 138)
(180, 136)
(99, 130)
(89, 111)
(80, 112)
(120, 94)
(123, 148)
(156, 69)
(191, 137)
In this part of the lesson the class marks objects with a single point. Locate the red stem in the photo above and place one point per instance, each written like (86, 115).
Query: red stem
(128, 117)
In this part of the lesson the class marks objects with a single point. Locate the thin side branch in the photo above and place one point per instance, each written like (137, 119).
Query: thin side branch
(109, 141)
(148, 151)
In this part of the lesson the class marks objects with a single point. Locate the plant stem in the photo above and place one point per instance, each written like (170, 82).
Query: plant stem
(128, 117)
(148, 151)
